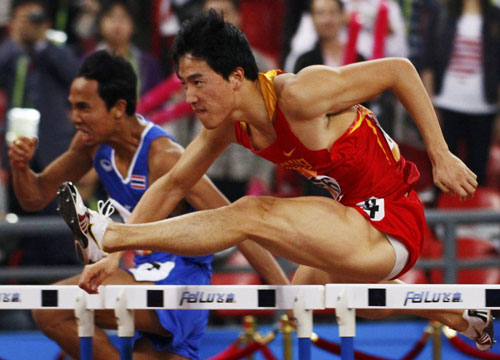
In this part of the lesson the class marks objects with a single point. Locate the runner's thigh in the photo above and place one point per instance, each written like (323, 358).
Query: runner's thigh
(322, 233)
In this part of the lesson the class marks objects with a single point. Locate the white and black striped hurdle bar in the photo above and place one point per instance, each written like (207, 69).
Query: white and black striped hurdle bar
(345, 298)
(125, 299)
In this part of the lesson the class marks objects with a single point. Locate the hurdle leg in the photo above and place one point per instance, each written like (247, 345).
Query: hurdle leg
(346, 319)
(85, 321)
(286, 331)
(125, 321)
(304, 320)
(436, 340)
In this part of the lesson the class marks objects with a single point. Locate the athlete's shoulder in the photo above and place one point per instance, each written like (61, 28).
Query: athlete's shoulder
(163, 154)
(282, 81)
(163, 144)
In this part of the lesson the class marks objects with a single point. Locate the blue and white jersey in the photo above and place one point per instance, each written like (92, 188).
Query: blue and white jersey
(128, 191)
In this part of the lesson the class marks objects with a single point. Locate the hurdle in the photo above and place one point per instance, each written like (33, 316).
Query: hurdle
(303, 299)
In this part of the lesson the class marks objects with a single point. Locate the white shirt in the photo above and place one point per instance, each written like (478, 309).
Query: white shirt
(463, 88)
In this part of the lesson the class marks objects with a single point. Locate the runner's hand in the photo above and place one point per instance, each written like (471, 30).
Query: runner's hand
(21, 151)
(451, 175)
(94, 275)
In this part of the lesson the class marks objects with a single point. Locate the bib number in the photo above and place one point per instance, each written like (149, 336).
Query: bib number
(152, 271)
(374, 208)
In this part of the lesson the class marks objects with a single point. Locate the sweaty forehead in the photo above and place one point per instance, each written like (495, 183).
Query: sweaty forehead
(189, 66)
(81, 87)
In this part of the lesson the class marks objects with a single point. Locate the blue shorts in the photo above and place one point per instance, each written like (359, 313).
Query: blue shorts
(186, 326)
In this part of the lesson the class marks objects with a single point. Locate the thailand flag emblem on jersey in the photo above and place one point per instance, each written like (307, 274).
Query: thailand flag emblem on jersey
(138, 182)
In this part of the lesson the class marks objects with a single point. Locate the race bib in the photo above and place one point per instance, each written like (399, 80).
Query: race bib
(152, 271)
(374, 208)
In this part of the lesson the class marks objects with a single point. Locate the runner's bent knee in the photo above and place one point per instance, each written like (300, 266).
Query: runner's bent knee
(253, 207)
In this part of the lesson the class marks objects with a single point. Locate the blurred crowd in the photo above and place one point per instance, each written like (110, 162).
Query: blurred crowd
(454, 44)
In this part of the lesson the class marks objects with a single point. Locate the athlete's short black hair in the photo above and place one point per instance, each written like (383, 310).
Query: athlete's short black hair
(115, 76)
(222, 45)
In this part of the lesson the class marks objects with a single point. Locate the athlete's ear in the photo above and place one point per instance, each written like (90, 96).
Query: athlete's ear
(236, 78)
(119, 109)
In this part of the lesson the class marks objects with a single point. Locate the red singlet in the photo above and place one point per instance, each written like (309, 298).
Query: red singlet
(363, 170)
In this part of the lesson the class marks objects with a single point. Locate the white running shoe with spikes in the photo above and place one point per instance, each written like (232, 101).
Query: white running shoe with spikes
(88, 226)
(480, 328)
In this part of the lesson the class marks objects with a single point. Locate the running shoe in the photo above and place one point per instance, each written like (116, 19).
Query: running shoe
(88, 226)
(480, 328)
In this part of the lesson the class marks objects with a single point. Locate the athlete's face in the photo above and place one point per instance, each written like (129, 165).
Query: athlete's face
(89, 113)
(211, 96)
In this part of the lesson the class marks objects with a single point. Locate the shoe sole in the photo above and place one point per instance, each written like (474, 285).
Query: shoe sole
(490, 331)
(67, 209)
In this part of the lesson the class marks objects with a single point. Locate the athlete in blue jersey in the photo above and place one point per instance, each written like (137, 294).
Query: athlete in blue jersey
(129, 154)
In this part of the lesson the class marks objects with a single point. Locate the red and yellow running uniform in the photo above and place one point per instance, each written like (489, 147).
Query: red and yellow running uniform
(363, 170)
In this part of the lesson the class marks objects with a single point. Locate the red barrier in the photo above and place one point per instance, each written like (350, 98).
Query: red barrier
(239, 353)
(268, 355)
(159, 94)
(417, 349)
(228, 351)
(380, 31)
(467, 349)
(170, 113)
(351, 54)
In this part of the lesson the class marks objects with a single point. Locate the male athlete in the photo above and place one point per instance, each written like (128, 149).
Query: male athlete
(372, 228)
(129, 153)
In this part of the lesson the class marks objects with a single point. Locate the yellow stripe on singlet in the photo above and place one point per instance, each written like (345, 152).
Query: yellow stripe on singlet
(267, 86)
(362, 111)
(376, 132)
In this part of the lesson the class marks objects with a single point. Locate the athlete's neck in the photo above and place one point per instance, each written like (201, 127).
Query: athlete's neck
(251, 107)
(128, 137)
(253, 111)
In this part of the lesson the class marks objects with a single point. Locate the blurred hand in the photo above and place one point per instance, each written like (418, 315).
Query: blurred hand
(94, 275)
(451, 175)
(21, 151)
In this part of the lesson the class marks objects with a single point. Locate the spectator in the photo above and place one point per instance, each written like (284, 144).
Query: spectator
(36, 73)
(395, 42)
(418, 22)
(302, 39)
(367, 10)
(294, 10)
(116, 29)
(4, 17)
(461, 72)
(84, 26)
(328, 19)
